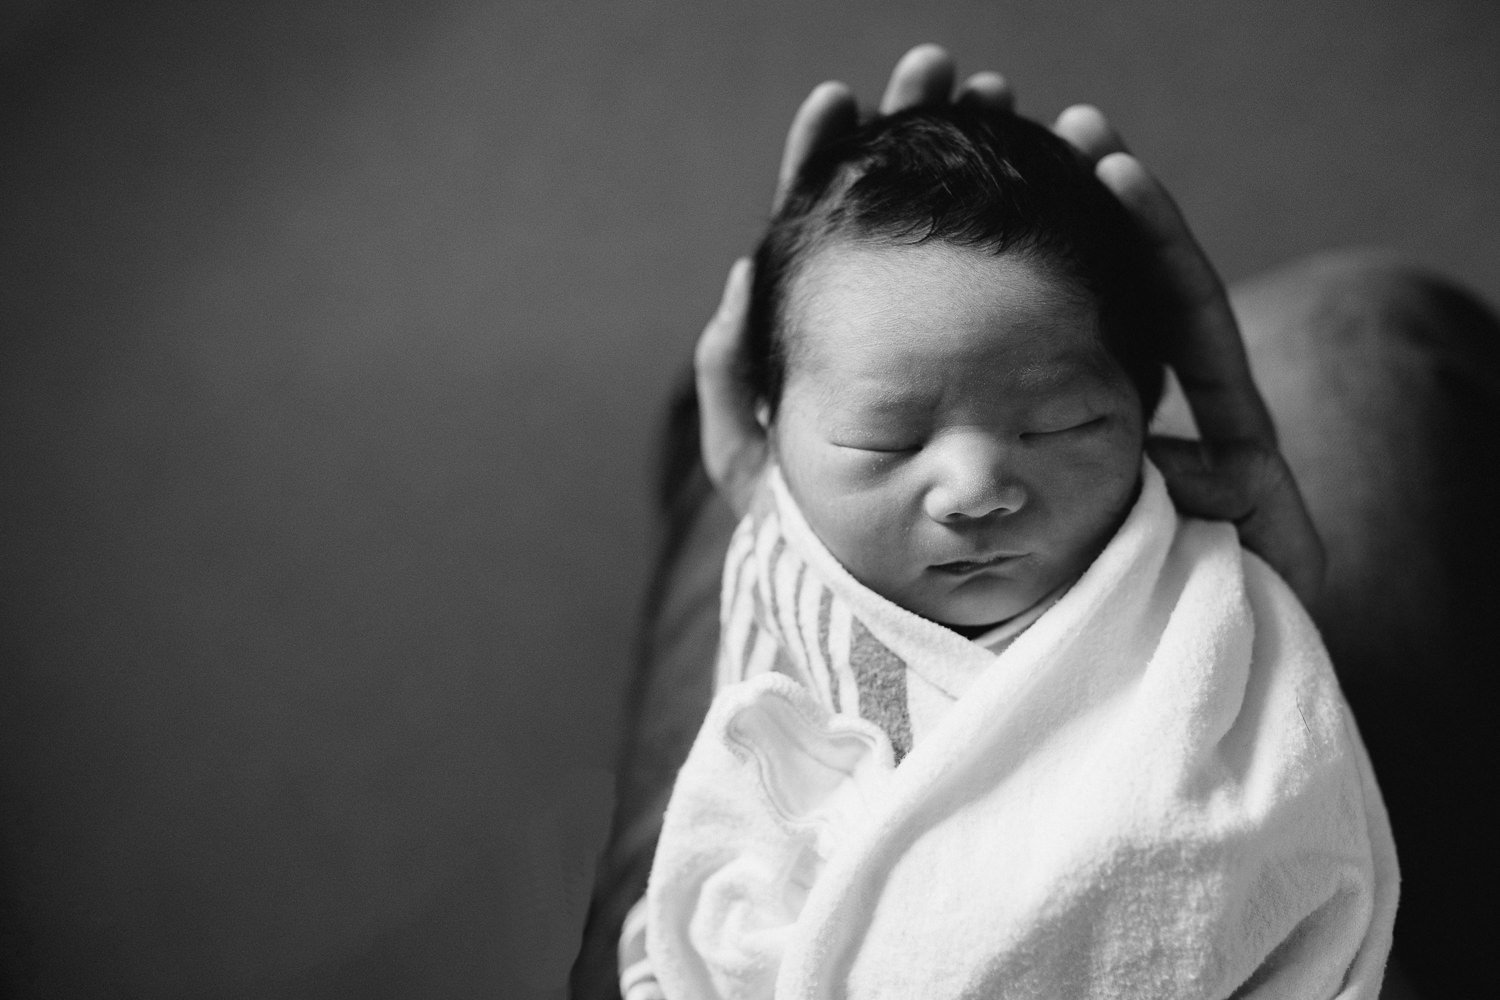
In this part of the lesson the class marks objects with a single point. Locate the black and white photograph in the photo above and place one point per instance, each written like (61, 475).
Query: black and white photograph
(961, 500)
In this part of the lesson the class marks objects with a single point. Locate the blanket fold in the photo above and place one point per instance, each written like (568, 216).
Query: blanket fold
(1156, 790)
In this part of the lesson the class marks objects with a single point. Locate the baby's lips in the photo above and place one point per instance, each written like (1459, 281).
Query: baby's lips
(976, 563)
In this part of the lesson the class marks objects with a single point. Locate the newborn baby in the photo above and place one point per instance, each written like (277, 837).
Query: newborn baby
(991, 719)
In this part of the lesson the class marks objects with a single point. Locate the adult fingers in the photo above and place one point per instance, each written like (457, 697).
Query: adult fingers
(1249, 484)
(1203, 345)
(828, 112)
(733, 441)
(987, 89)
(923, 76)
(1086, 128)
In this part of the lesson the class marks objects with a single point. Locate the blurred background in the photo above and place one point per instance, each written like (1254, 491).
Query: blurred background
(335, 337)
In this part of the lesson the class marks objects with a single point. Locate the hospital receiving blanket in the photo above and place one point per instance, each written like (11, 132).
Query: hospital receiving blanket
(1156, 790)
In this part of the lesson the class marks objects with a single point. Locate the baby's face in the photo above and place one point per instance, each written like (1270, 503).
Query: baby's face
(952, 427)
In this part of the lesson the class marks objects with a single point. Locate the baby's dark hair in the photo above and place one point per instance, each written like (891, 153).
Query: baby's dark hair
(966, 177)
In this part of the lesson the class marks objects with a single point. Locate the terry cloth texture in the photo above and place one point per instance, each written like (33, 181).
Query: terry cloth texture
(788, 606)
(1155, 790)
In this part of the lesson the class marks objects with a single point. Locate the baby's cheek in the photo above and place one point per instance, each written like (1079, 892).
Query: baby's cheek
(864, 529)
(857, 502)
(1108, 462)
(1098, 492)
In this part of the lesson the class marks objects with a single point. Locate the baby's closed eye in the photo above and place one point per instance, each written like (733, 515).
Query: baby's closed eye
(887, 438)
(1072, 425)
(880, 447)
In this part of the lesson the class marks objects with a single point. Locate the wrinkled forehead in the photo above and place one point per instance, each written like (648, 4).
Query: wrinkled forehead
(867, 314)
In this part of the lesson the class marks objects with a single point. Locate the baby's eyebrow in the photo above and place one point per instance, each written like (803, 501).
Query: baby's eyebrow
(881, 402)
(1062, 373)
(882, 396)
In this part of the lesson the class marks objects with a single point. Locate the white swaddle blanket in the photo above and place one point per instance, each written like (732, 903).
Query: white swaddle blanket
(1156, 790)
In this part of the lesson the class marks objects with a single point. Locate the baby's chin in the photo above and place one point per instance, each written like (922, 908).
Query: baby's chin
(979, 603)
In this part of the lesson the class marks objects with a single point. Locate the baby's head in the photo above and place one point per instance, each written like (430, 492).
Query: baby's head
(952, 361)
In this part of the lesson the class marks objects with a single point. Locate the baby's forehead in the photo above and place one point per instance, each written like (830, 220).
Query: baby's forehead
(876, 274)
(898, 313)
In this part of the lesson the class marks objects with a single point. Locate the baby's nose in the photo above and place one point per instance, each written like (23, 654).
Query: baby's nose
(974, 481)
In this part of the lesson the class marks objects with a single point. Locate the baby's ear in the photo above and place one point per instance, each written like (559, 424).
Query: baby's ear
(763, 415)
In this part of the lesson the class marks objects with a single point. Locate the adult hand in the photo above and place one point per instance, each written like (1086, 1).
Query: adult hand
(1235, 472)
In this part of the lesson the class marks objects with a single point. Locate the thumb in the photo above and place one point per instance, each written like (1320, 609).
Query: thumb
(1249, 484)
(1205, 481)
(734, 443)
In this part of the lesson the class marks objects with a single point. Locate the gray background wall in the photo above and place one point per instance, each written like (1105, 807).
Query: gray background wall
(334, 335)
